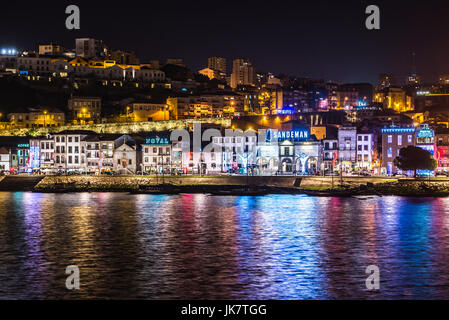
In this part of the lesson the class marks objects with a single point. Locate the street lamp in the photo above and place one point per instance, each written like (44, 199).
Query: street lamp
(45, 116)
(83, 114)
(127, 111)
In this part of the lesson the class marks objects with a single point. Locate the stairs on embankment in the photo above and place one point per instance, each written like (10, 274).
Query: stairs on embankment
(19, 183)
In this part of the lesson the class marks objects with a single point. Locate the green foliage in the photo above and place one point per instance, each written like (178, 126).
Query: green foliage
(415, 158)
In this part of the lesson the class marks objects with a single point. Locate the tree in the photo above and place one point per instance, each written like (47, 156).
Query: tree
(415, 158)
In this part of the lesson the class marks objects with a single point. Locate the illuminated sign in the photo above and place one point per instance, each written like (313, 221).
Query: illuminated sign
(157, 141)
(362, 103)
(302, 134)
(284, 111)
(23, 145)
(425, 132)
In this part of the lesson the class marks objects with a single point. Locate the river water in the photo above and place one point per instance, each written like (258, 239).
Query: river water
(194, 246)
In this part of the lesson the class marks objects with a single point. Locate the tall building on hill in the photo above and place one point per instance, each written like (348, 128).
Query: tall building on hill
(217, 63)
(243, 73)
(90, 48)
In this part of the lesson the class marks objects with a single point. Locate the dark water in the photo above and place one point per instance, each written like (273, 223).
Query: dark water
(199, 246)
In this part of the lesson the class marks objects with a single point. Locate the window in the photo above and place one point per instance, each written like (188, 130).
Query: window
(366, 138)
(70, 149)
(366, 148)
(390, 152)
(359, 138)
(400, 140)
(130, 162)
(410, 138)
(70, 159)
(390, 139)
(69, 139)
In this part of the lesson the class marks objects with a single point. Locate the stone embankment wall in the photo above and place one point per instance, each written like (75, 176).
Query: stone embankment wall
(131, 182)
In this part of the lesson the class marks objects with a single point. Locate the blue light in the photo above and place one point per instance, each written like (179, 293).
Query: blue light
(8, 51)
(398, 130)
(362, 103)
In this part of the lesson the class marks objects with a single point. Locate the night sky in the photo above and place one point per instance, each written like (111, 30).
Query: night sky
(319, 39)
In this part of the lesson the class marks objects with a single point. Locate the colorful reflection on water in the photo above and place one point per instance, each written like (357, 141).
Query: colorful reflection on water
(206, 247)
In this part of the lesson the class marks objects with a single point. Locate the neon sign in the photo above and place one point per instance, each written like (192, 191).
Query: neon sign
(302, 134)
(157, 141)
(425, 133)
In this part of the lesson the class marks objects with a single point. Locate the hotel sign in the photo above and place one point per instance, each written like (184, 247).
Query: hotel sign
(157, 141)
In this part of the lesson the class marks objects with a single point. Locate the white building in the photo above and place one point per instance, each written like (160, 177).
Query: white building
(156, 155)
(4, 159)
(347, 137)
(126, 155)
(69, 151)
(330, 154)
(365, 149)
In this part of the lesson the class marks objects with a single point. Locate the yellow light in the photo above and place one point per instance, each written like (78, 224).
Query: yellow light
(84, 110)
